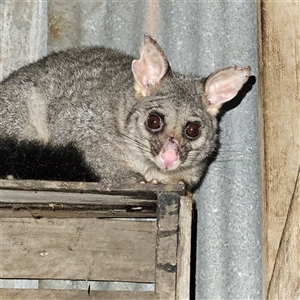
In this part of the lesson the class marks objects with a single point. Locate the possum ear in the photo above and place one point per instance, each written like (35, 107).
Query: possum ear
(223, 85)
(150, 68)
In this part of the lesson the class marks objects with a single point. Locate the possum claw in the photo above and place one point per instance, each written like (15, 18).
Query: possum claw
(153, 181)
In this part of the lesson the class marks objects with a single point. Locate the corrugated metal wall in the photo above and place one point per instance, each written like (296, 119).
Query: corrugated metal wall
(197, 37)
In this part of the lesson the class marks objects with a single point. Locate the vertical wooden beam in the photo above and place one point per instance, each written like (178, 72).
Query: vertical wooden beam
(166, 243)
(184, 248)
(285, 280)
(279, 85)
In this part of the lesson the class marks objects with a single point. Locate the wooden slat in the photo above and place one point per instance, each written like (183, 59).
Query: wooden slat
(184, 248)
(92, 249)
(279, 82)
(90, 187)
(166, 243)
(6, 294)
(285, 280)
(40, 204)
(96, 249)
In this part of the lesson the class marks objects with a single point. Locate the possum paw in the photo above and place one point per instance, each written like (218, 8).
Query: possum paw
(153, 181)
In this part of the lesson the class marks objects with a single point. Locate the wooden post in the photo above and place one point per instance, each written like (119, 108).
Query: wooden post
(284, 282)
(279, 88)
(184, 248)
(166, 238)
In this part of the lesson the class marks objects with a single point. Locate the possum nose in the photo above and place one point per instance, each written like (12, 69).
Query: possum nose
(169, 153)
(169, 157)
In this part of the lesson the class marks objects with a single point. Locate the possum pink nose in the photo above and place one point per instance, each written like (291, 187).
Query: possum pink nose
(169, 157)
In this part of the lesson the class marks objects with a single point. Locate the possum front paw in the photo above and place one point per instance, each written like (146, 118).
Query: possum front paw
(153, 181)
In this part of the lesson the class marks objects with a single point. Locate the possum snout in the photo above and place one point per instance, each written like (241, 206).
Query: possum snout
(168, 156)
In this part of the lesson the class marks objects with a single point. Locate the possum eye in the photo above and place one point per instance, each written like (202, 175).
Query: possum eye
(154, 122)
(192, 130)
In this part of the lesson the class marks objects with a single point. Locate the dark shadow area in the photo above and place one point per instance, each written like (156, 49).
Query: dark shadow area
(193, 253)
(236, 101)
(33, 160)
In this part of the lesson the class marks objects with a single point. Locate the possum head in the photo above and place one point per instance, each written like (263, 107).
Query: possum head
(173, 126)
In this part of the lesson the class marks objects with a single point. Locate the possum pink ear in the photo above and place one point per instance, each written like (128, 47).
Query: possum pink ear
(150, 68)
(223, 85)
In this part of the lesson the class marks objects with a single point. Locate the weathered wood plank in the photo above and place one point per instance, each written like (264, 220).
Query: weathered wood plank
(166, 245)
(71, 295)
(40, 204)
(279, 81)
(90, 187)
(93, 249)
(70, 249)
(285, 280)
(184, 248)
(24, 212)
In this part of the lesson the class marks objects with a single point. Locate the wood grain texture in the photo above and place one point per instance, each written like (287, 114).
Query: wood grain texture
(279, 84)
(285, 280)
(66, 246)
(91, 187)
(166, 243)
(184, 248)
(156, 250)
(6, 294)
(38, 204)
(92, 249)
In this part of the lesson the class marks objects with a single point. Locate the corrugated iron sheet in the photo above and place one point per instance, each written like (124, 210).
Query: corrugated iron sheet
(198, 37)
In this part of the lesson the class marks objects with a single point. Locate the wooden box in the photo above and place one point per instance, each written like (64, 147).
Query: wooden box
(67, 240)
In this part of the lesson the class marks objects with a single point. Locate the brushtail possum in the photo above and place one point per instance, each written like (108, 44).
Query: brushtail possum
(132, 119)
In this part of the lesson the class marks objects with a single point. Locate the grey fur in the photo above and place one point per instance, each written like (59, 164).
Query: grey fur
(88, 97)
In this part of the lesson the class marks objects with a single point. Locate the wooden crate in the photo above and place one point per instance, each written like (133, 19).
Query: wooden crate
(88, 233)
